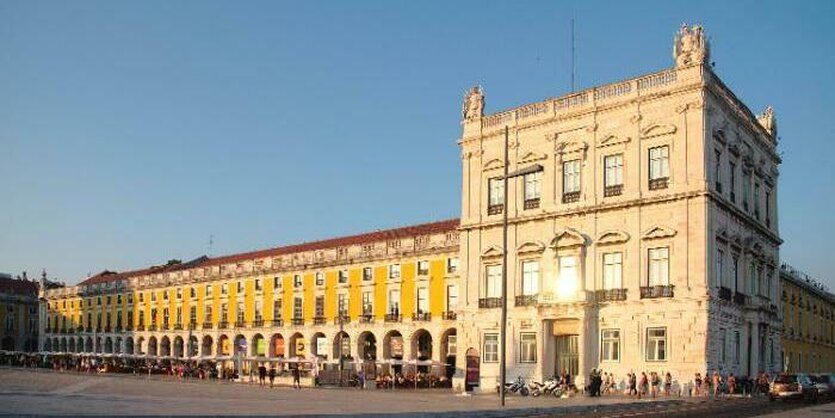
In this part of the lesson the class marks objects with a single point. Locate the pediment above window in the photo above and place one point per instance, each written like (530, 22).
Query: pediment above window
(719, 135)
(658, 129)
(613, 140)
(531, 247)
(722, 234)
(568, 238)
(531, 156)
(493, 164)
(492, 252)
(612, 237)
(659, 231)
(572, 147)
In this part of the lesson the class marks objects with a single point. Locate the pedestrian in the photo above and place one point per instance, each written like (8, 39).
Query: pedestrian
(717, 381)
(731, 384)
(633, 384)
(262, 374)
(361, 378)
(697, 384)
(297, 377)
(642, 385)
(668, 383)
(272, 375)
(655, 382)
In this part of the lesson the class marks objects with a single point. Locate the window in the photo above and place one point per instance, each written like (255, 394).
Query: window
(277, 314)
(530, 277)
(320, 278)
(343, 276)
(613, 271)
(491, 348)
(735, 272)
(240, 312)
(732, 185)
(422, 268)
(277, 282)
(722, 346)
(657, 344)
(224, 289)
(165, 316)
(207, 314)
(367, 303)
(342, 305)
(258, 311)
(757, 200)
(768, 208)
(258, 285)
(717, 171)
(208, 290)
(753, 279)
(164, 296)
(297, 308)
(394, 271)
(571, 176)
(532, 189)
(614, 170)
(394, 302)
(736, 348)
(422, 300)
(495, 196)
(320, 307)
(130, 299)
(610, 345)
(297, 280)
(179, 315)
(527, 347)
(659, 267)
(493, 281)
(451, 298)
(720, 267)
(141, 318)
(567, 285)
(659, 164)
(452, 265)
(240, 287)
(746, 188)
(192, 292)
(179, 293)
(367, 273)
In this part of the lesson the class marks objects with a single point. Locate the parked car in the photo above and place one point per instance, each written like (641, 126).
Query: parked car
(793, 386)
(825, 383)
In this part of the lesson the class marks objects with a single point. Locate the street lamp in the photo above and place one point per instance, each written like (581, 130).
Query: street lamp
(341, 319)
(536, 168)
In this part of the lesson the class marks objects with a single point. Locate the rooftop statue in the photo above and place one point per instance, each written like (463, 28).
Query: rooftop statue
(473, 107)
(690, 46)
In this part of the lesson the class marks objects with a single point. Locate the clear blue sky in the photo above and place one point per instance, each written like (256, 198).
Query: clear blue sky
(132, 131)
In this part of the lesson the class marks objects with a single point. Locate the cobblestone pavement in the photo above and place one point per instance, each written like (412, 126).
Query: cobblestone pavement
(27, 391)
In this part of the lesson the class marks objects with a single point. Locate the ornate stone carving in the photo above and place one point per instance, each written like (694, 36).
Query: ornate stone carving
(473, 107)
(690, 46)
(768, 121)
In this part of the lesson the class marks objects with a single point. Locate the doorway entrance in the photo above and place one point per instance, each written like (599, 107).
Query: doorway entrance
(568, 355)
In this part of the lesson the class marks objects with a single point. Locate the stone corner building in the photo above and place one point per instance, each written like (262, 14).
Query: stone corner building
(649, 242)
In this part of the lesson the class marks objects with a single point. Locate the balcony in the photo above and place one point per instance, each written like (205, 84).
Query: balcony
(118, 328)
(659, 183)
(207, 325)
(393, 317)
(298, 321)
(367, 318)
(531, 203)
(615, 190)
(494, 209)
(140, 327)
(319, 320)
(570, 197)
(129, 328)
(152, 327)
(178, 327)
(487, 303)
(739, 298)
(258, 323)
(659, 291)
(80, 329)
(223, 325)
(609, 295)
(342, 318)
(278, 322)
(240, 324)
(725, 293)
(449, 316)
(421, 316)
(526, 300)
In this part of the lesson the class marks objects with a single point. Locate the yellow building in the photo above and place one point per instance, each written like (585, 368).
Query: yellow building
(18, 314)
(808, 323)
(382, 295)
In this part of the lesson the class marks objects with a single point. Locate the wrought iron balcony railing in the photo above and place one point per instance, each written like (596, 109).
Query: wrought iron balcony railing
(658, 291)
(570, 197)
(391, 317)
(208, 325)
(526, 300)
(614, 190)
(495, 209)
(659, 183)
(725, 293)
(532, 203)
(608, 295)
(421, 316)
(450, 316)
(490, 303)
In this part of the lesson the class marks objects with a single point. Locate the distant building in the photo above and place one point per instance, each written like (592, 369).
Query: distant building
(18, 313)
(808, 323)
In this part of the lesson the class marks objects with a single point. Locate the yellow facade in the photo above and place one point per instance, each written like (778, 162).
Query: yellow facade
(808, 324)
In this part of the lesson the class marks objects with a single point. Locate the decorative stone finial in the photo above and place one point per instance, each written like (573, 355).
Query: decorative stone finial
(690, 46)
(768, 121)
(473, 107)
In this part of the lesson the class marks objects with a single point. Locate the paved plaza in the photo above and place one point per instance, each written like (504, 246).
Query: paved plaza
(28, 391)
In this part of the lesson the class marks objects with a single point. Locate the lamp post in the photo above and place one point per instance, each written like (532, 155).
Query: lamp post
(341, 335)
(536, 168)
